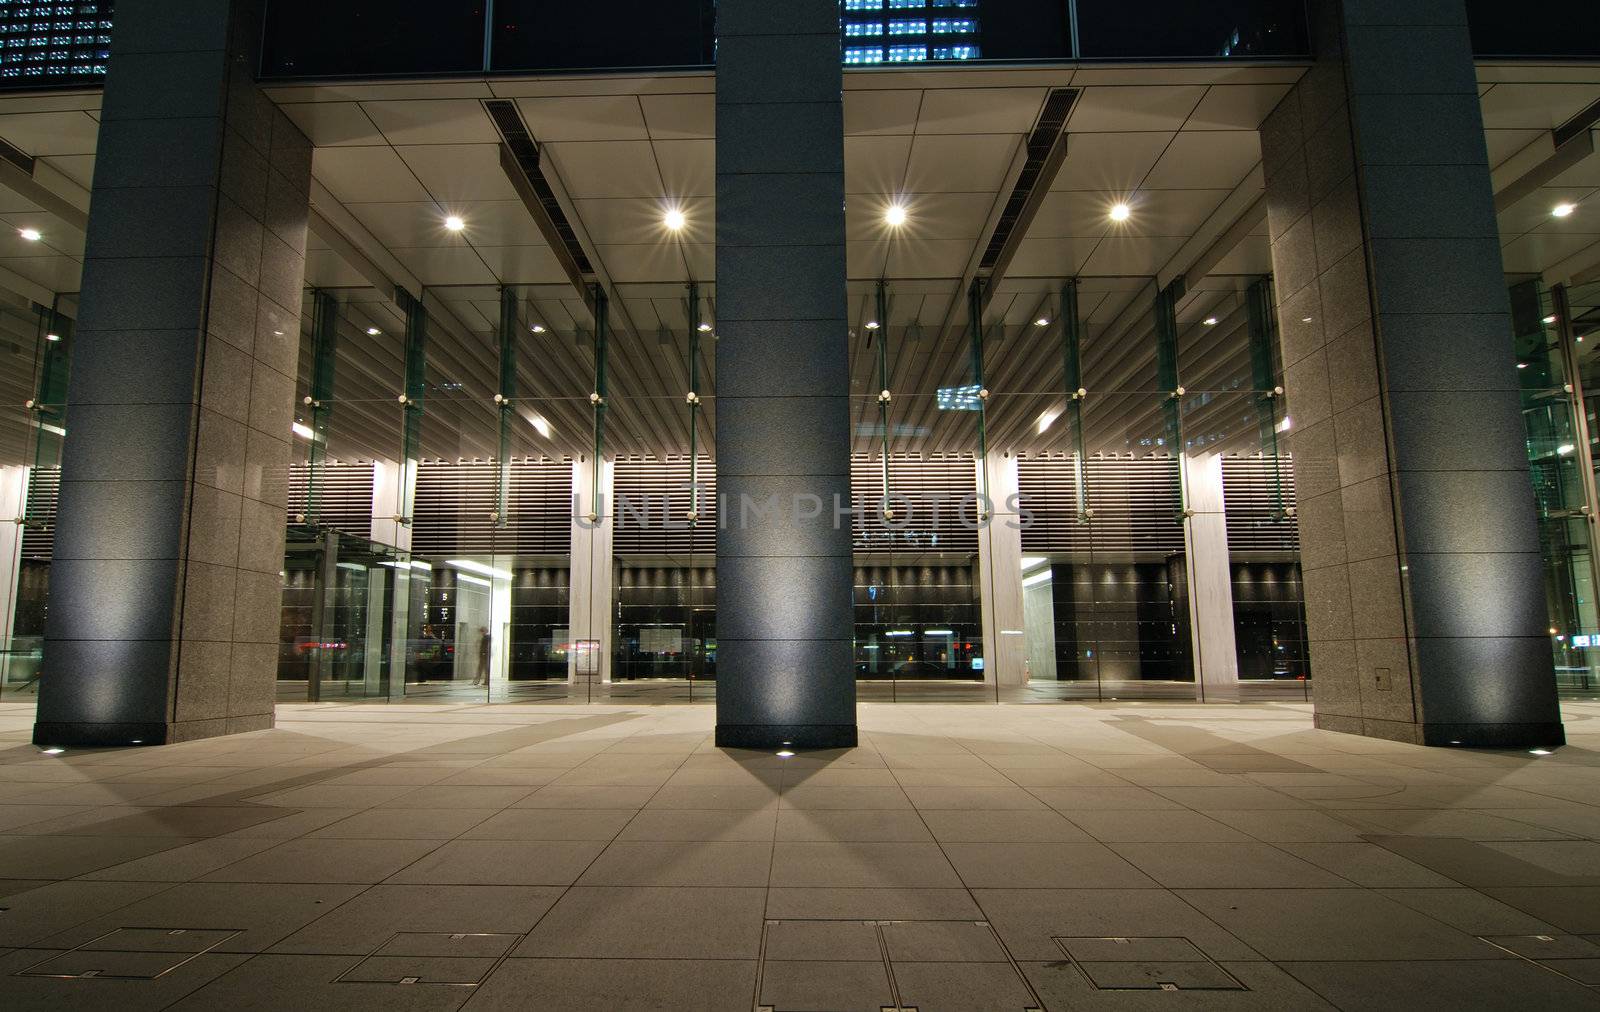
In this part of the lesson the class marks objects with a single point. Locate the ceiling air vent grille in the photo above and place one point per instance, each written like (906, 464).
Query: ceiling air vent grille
(1042, 142)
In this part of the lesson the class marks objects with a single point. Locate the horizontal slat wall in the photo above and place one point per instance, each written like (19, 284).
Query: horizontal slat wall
(346, 496)
(455, 502)
(923, 479)
(44, 491)
(1136, 505)
(1135, 502)
(647, 482)
(1255, 489)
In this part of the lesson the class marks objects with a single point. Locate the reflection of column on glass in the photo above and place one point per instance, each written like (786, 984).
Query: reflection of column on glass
(1000, 569)
(588, 635)
(1210, 578)
(13, 497)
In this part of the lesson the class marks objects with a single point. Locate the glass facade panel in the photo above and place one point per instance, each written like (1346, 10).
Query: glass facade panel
(1111, 29)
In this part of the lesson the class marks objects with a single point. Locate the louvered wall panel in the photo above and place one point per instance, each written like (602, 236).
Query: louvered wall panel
(456, 500)
(649, 482)
(1254, 490)
(923, 479)
(44, 491)
(1136, 504)
(346, 496)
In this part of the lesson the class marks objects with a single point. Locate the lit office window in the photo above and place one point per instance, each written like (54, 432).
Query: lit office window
(54, 40)
(863, 5)
(906, 4)
(908, 28)
(856, 29)
(907, 54)
(954, 26)
(860, 54)
(955, 52)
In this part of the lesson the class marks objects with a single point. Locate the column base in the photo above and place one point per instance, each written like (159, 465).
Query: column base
(85, 735)
(1495, 735)
(82, 735)
(794, 736)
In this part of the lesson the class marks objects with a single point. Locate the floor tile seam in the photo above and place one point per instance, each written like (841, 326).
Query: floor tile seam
(566, 889)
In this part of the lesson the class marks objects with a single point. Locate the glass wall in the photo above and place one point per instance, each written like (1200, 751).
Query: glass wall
(36, 341)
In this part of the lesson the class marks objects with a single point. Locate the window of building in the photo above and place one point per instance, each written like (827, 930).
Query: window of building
(863, 54)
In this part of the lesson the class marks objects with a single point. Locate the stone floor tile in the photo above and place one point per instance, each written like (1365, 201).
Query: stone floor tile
(825, 940)
(1063, 987)
(1043, 866)
(404, 824)
(583, 985)
(554, 796)
(851, 826)
(969, 799)
(1226, 866)
(502, 862)
(1288, 826)
(360, 861)
(871, 904)
(678, 863)
(533, 824)
(1109, 799)
(957, 987)
(183, 864)
(1028, 920)
(362, 924)
(1510, 985)
(459, 796)
(650, 923)
(1154, 827)
(691, 824)
(868, 865)
(809, 797)
(272, 982)
(825, 987)
(1367, 864)
(262, 913)
(44, 992)
(1003, 827)
(942, 942)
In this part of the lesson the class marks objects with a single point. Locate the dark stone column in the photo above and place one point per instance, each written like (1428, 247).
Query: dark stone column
(784, 608)
(1424, 596)
(164, 588)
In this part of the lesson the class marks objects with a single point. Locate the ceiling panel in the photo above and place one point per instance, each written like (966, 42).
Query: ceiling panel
(584, 118)
(414, 224)
(1535, 106)
(930, 258)
(960, 163)
(979, 110)
(1133, 254)
(457, 173)
(1236, 106)
(688, 168)
(78, 168)
(1110, 163)
(1134, 108)
(1535, 252)
(680, 116)
(928, 216)
(1207, 160)
(607, 168)
(366, 174)
(1045, 258)
(1505, 143)
(457, 265)
(523, 265)
(637, 220)
(51, 133)
(330, 124)
(876, 165)
(881, 112)
(433, 121)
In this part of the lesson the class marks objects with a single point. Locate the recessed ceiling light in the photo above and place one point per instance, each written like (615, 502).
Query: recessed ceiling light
(704, 328)
(52, 337)
(1565, 449)
(1522, 365)
(785, 754)
(674, 219)
(1305, 319)
(541, 425)
(872, 325)
(30, 234)
(1041, 322)
(1563, 210)
(1549, 320)
(894, 215)
(1121, 212)
(454, 223)
(373, 331)
(538, 328)
(1210, 321)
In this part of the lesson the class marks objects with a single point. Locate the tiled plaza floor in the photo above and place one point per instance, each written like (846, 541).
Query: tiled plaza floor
(964, 857)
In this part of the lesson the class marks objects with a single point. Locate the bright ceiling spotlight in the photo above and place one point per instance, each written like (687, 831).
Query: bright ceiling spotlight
(538, 328)
(52, 337)
(674, 220)
(872, 325)
(1121, 212)
(1210, 321)
(894, 215)
(373, 331)
(704, 328)
(1563, 210)
(1522, 365)
(454, 223)
(1549, 320)
(1042, 322)
(30, 234)
(1565, 449)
